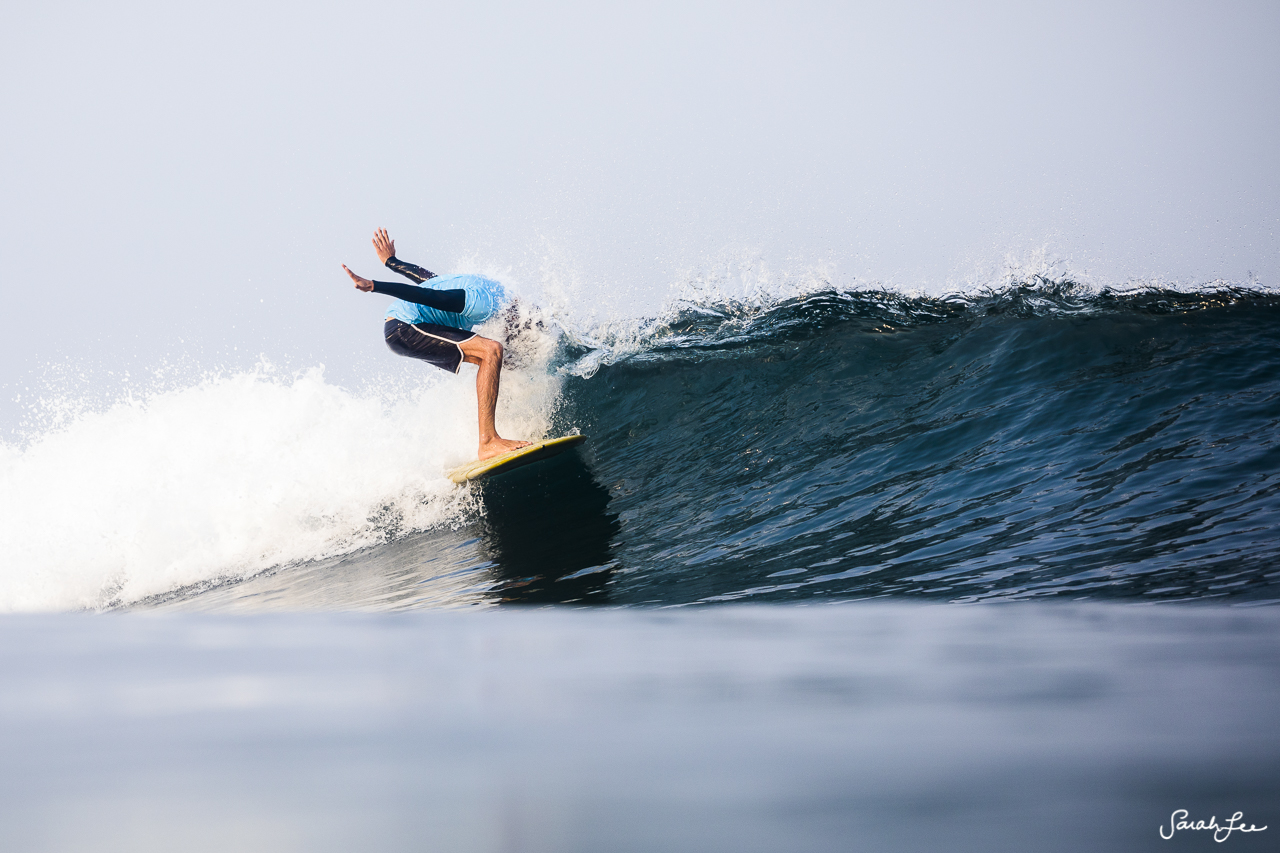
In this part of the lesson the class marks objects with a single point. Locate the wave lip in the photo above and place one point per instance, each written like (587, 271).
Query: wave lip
(711, 322)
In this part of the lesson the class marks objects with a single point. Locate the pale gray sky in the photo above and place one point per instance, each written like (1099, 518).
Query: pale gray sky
(183, 182)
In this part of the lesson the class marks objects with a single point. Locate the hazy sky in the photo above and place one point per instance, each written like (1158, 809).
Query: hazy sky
(183, 182)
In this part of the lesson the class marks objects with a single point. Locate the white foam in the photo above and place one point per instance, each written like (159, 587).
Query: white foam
(235, 474)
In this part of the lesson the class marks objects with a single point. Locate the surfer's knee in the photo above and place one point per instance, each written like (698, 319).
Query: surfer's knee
(483, 349)
(492, 349)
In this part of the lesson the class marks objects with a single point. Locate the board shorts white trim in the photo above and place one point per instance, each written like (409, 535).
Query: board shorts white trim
(440, 346)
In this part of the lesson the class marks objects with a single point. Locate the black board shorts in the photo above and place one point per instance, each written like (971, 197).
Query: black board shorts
(438, 345)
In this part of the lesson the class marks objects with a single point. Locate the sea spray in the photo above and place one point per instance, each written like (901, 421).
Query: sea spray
(233, 475)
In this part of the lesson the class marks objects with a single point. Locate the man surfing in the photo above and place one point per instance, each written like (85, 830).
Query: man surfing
(433, 323)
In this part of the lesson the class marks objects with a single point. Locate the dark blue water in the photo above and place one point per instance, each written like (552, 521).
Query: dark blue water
(1033, 443)
(1039, 441)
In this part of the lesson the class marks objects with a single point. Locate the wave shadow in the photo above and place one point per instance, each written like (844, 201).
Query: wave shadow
(549, 533)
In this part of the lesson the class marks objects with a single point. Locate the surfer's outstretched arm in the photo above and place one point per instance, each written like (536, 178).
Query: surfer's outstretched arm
(452, 301)
(487, 354)
(386, 249)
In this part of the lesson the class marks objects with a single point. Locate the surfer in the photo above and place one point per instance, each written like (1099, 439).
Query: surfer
(433, 323)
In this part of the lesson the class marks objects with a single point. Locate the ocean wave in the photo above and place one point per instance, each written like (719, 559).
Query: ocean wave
(1039, 439)
(1040, 436)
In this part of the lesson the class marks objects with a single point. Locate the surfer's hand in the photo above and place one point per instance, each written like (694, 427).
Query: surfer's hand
(361, 283)
(383, 245)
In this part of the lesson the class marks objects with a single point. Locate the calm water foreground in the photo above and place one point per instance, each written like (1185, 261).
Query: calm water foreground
(869, 726)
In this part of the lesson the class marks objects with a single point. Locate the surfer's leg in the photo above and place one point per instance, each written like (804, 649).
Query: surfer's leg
(487, 355)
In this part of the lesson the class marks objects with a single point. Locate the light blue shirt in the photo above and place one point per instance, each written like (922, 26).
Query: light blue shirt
(484, 297)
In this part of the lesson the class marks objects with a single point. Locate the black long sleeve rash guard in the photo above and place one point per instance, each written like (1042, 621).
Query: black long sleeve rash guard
(413, 272)
(451, 301)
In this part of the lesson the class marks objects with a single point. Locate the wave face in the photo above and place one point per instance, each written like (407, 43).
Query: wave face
(1038, 440)
(1043, 440)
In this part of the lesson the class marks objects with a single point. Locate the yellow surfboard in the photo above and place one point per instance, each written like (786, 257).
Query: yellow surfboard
(507, 461)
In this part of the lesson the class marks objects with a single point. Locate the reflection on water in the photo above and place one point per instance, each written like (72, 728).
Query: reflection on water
(548, 530)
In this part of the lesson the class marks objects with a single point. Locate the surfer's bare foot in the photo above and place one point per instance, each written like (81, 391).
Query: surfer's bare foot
(497, 446)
